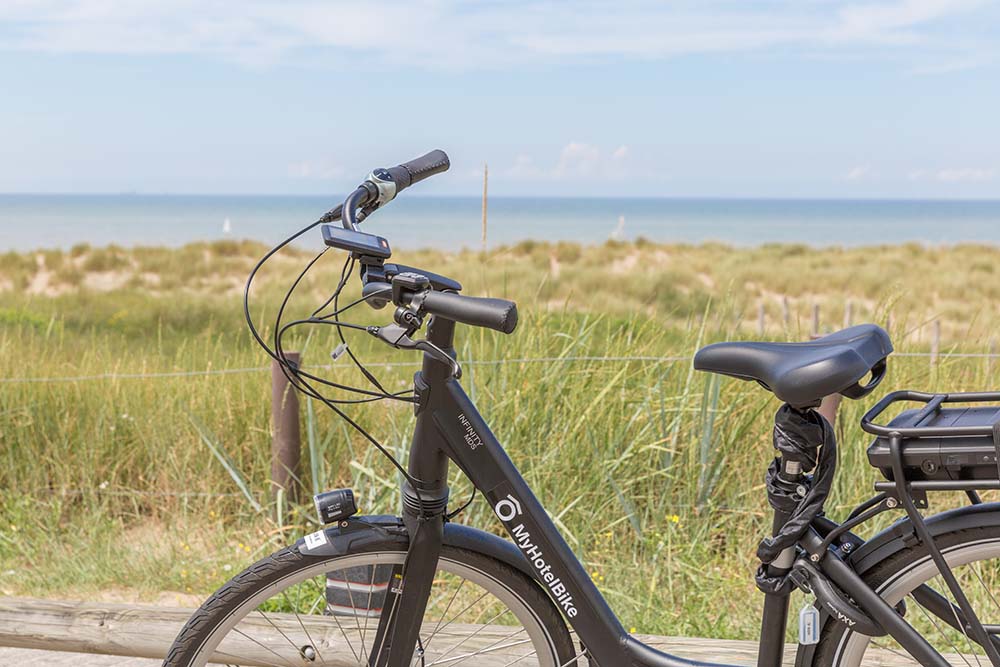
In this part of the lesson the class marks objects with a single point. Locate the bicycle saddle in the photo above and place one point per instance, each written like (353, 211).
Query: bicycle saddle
(801, 374)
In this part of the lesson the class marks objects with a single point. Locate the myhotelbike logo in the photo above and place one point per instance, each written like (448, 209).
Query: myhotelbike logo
(508, 508)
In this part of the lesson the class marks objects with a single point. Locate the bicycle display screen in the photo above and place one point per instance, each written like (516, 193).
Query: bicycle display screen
(359, 243)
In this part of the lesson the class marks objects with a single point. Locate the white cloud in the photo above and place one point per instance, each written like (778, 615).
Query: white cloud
(859, 173)
(578, 161)
(965, 175)
(436, 34)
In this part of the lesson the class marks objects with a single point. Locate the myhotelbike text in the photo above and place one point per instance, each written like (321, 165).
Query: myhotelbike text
(508, 510)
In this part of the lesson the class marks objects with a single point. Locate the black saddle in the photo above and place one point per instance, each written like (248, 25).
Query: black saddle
(801, 374)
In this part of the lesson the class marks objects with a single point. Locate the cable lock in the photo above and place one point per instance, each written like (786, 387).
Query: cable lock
(805, 437)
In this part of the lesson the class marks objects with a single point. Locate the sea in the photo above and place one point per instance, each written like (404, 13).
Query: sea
(30, 222)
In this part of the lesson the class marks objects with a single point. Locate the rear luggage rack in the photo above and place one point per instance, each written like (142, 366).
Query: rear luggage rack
(937, 448)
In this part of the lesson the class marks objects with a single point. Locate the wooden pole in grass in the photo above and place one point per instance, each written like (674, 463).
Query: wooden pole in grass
(848, 313)
(286, 438)
(815, 323)
(992, 352)
(486, 179)
(935, 342)
(830, 405)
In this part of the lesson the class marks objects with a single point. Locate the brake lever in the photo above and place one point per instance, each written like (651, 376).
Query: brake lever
(397, 336)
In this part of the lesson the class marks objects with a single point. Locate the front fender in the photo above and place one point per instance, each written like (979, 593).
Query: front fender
(369, 532)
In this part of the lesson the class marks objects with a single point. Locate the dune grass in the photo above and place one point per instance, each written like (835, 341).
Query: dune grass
(654, 472)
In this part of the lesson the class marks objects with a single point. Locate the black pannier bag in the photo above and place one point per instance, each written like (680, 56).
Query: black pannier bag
(960, 443)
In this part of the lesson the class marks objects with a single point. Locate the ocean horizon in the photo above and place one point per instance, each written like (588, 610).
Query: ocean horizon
(33, 221)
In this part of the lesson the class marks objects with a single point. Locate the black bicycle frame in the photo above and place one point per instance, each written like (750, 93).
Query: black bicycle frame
(449, 428)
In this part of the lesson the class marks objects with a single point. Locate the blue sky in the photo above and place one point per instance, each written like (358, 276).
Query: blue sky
(784, 98)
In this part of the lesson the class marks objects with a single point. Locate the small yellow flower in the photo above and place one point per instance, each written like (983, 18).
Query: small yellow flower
(675, 518)
(631, 631)
(184, 573)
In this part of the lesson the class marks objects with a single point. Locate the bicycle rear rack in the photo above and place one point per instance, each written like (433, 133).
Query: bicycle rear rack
(982, 440)
(905, 490)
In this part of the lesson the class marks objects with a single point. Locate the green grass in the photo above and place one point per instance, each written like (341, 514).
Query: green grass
(655, 473)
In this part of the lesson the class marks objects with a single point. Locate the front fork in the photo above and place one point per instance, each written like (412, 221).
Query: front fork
(398, 634)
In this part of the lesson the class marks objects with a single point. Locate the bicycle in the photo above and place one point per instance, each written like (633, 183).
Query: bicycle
(417, 589)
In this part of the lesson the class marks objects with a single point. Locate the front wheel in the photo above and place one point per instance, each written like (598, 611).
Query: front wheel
(974, 557)
(294, 609)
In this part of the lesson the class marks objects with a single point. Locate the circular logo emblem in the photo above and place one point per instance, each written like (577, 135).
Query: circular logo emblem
(508, 508)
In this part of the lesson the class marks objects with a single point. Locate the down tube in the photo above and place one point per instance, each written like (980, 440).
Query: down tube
(476, 450)
(479, 454)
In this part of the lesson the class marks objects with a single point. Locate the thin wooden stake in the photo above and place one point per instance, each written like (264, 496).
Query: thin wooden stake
(992, 352)
(815, 323)
(935, 342)
(848, 313)
(486, 178)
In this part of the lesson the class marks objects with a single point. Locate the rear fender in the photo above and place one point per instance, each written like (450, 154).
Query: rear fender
(901, 535)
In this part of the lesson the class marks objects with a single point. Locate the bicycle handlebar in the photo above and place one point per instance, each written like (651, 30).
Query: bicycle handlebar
(382, 185)
(497, 314)
(418, 169)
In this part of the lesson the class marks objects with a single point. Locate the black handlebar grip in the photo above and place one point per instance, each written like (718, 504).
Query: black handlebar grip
(416, 170)
(497, 314)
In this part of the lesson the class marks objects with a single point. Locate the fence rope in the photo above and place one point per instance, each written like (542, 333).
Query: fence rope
(405, 364)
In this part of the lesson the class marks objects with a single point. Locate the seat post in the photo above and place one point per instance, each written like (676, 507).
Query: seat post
(774, 618)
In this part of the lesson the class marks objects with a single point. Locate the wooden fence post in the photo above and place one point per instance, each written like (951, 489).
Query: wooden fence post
(830, 405)
(486, 178)
(286, 441)
(848, 313)
(935, 342)
(992, 352)
(815, 323)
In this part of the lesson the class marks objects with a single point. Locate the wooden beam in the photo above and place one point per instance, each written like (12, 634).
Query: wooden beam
(146, 631)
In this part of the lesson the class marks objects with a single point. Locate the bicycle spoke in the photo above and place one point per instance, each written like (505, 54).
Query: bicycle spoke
(263, 646)
(281, 632)
(492, 648)
(958, 621)
(350, 644)
(474, 634)
(940, 631)
(350, 595)
(444, 613)
(303, 625)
